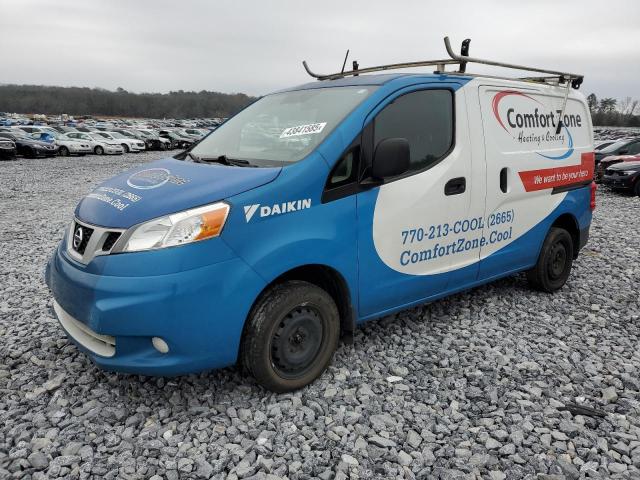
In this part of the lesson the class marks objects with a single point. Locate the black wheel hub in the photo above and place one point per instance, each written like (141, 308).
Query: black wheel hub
(557, 260)
(297, 341)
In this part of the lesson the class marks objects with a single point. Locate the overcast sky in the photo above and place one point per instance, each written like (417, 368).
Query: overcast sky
(257, 46)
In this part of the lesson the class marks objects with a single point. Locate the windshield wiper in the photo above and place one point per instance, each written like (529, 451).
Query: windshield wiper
(224, 160)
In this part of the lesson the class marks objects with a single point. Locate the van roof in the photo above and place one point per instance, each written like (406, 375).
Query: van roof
(373, 79)
(384, 78)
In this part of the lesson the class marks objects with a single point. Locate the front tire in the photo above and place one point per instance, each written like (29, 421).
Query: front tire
(125, 147)
(98, 150)
(291, 335)
(64, 151)
(554, 263)
(637, 188)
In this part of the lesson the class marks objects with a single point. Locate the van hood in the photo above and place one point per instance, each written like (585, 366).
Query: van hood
(163, 187)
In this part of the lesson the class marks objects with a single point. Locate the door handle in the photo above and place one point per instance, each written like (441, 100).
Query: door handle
(455, 186)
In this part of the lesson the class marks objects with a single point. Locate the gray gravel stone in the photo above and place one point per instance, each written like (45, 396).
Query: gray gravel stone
(38, 460)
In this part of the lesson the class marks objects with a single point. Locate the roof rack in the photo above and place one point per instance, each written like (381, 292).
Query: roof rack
(555, 77)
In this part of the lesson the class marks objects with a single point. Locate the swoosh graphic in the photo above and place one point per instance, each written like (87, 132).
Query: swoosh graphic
(496, 103)
(567, 154)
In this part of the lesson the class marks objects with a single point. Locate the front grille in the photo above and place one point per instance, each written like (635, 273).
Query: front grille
(80, 241)
(110, 241)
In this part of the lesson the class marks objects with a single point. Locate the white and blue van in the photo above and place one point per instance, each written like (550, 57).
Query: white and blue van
(321, 207)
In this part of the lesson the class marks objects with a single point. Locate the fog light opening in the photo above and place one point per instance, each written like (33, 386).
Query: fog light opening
(160, 345)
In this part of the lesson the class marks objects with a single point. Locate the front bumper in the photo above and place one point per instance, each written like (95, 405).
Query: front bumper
(8, 153)
(620, 182)
(128, 299)
(111, 150)
(41, 152)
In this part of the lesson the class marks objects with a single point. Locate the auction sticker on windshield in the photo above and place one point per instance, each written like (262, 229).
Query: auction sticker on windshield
(303, 130)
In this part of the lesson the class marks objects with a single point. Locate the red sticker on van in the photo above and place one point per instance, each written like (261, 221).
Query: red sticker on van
(544, 178)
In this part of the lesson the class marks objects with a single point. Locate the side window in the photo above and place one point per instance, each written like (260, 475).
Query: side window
(345, 170)
(634, 148)
(425, 119)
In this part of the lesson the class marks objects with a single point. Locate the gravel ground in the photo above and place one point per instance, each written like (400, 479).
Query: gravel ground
(473, 386)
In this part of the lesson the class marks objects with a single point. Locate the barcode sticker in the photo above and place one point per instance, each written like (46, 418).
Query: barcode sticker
(303, 130)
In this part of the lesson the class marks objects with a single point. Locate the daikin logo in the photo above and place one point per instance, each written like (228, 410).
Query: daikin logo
(276, 208)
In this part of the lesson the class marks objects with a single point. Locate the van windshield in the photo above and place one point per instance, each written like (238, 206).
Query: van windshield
(282, 128)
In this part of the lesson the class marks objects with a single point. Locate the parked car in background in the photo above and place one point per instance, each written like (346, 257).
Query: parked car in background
(8, 149)
(66, 146)
(128, 144)
(624, 146)
(99, 145)
(623, 176)
(604, 144)
(194, 132)
(63, 128)
(36, 129)
(30, 147)
(606, 162)
(153, 141)
(177, 140)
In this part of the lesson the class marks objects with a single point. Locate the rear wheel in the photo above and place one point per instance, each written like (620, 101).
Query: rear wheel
(637, 188)
(554, 263)
(64, 151)
(290, 336)
(98, 150)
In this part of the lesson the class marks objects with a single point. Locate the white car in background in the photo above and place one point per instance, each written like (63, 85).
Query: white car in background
(99, 144)
(128, 144)
(66, 146)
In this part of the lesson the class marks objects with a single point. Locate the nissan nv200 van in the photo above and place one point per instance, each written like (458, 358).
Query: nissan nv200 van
(320, 207)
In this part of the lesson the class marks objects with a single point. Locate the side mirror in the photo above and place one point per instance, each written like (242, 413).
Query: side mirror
(390, 158)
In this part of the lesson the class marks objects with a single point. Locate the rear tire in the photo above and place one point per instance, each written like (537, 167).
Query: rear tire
(554, 263)
(98, 150)
(637, 188)
(290, 336)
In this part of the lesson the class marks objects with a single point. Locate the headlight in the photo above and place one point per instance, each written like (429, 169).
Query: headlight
(180, 228)
(630, 172)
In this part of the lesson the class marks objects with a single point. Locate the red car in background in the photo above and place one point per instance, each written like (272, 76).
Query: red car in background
(606, 162)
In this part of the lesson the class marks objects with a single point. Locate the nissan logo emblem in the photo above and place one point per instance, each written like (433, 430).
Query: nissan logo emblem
(77, 237)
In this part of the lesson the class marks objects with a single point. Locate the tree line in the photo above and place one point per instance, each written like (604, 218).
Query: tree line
(206, 104)
(611, 112)
(97, 101)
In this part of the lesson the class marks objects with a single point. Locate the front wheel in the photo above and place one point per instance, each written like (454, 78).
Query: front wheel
(554, 263)
(291, 335)
(98, 150)
(637, 188)
(125, 147)
(64, 152)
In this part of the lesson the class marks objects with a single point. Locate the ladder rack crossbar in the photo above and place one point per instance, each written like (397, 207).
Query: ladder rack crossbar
(571, 79)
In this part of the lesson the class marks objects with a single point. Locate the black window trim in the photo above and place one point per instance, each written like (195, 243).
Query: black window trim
(365, 141)
(453, 136)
